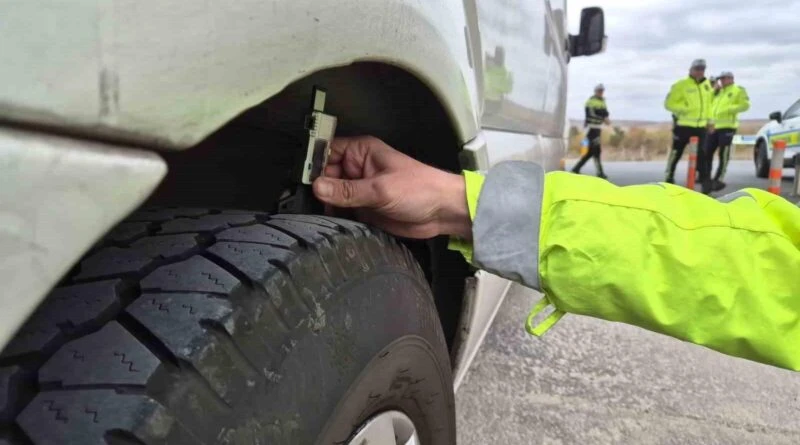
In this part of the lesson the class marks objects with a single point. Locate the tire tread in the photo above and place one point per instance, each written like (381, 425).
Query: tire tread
(171, 296)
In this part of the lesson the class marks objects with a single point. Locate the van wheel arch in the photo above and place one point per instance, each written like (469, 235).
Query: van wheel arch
(257, 149)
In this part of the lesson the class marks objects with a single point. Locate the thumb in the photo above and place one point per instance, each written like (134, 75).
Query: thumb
(345, 192)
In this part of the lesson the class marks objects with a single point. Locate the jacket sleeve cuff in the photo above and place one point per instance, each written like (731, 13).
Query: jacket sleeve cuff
(474, 183)
(506, 209)
(505, 230)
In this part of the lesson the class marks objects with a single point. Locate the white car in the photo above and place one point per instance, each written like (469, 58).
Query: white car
(151, 295)
(785, 127)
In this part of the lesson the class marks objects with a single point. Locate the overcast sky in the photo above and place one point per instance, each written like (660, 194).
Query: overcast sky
(651, 44)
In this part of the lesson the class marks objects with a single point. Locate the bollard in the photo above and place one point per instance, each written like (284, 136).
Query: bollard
(797, 175)
(776, 167)
(692, 171)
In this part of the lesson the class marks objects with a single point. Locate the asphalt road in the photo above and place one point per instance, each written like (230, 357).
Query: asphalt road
(593, 382)
(740, 174)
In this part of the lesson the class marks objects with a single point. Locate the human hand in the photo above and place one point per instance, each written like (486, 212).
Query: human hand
(393, 191)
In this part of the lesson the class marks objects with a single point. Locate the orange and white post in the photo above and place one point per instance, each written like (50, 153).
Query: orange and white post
(694, 141)
(776, 167)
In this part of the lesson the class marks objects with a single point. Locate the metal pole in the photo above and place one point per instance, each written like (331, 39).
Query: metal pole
(692, 171)
(776, 167)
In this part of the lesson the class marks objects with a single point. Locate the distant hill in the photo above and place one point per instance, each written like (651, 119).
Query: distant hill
(634, 140)
(622, 123)
(753, 122)
(746, 124)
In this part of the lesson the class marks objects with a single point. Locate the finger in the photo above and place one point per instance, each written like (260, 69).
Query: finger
(338, 147)
(346, 193)
(351, 153)
(341, 145)
(333, 171)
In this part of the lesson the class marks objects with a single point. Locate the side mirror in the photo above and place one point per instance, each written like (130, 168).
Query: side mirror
(592, 37)
(776, 116)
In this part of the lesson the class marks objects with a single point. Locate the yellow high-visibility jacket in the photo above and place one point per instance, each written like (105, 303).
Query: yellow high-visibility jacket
(728, 103)
(691, 102)
(722, 274)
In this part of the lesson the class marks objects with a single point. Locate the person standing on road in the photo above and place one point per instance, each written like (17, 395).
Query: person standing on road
(690, 100)
(596, 115)
(729, 101)
(722, 274)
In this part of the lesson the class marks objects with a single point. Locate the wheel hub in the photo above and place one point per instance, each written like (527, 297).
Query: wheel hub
(389, 428)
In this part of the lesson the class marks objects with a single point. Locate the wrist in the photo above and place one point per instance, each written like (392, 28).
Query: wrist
(453, 213)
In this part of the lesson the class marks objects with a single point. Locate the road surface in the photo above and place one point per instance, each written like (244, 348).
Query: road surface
(593, 382)
(740, 174)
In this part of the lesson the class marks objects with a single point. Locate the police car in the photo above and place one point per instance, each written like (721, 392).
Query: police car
(782, 126)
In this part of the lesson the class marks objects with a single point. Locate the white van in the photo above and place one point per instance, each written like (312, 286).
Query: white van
(152, 295)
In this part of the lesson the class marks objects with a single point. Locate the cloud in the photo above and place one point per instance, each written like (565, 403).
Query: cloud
(651, 44)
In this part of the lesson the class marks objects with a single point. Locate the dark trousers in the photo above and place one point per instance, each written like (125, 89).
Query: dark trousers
(680, 138)
(594, 152)
(723, 140)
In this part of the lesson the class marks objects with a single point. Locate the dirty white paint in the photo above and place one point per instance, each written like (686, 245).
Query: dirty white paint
(57, 197)
(479, 311)
(170, 72)
(505, 146)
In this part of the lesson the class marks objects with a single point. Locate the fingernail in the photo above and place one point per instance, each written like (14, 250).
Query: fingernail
(324, 188)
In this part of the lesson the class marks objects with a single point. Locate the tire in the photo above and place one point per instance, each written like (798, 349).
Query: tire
(761, 160)
(189, 326)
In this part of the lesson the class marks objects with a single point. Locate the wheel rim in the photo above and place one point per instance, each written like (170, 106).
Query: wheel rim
(389, 428)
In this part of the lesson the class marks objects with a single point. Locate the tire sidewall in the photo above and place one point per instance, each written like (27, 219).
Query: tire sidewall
(761, 160)
(405, 376)
(361, 365)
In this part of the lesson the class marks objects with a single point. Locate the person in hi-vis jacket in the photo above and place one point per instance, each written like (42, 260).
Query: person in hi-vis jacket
(596, 115)
(730, 100)
(690, 102)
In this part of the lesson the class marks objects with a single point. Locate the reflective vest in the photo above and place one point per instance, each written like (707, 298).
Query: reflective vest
(596, 112)
(728, 103)
(691, 102)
